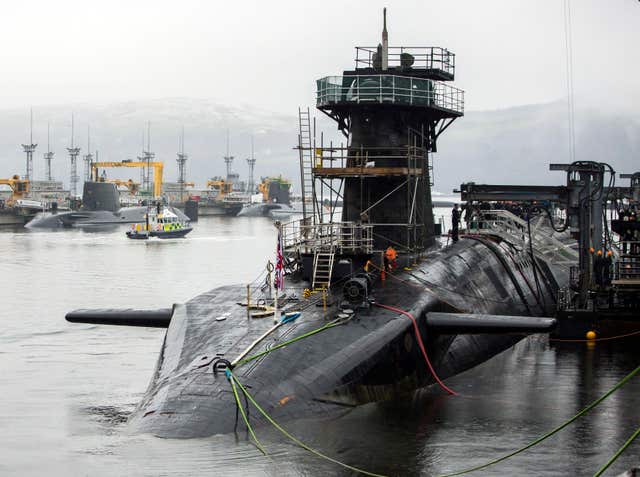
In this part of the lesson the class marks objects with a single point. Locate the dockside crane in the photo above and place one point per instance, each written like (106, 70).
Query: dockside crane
(221, 186)
(19, 188)
(132, 186)
(157, 167)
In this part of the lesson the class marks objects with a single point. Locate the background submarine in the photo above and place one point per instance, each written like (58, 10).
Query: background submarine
(101, 201)
(469, 301)
(100, 206)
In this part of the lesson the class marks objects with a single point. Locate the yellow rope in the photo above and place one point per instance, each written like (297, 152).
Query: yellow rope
(244, 416)
(620, 383)
(294, 439)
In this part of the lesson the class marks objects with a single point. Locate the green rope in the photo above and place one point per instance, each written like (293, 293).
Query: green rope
(244, 416)
(557, 429)
(297, 441)
(617, 454)
(285, 343)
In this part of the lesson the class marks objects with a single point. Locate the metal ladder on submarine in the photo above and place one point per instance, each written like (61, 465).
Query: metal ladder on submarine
(472, 300)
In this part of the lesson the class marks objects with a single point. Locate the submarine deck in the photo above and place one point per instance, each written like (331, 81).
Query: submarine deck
(371, 355)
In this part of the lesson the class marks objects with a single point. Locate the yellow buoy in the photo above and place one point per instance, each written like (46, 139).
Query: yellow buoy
(591, 335)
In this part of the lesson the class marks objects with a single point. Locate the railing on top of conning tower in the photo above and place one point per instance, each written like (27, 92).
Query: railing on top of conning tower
(389, 89)
(300, 236)
(428, 58)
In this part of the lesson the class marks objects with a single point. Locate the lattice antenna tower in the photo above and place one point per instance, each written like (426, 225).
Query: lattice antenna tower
(182, 163)
(88, 158)
(73, 156)
(29, 149)
(147, 156)
(228, 160)
(48, 156)
(252, 162)
(141, 159)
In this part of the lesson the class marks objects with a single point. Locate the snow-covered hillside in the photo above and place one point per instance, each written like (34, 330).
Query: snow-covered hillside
(505, 146)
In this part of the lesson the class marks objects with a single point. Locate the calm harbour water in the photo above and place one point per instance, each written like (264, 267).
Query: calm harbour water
(67, 389)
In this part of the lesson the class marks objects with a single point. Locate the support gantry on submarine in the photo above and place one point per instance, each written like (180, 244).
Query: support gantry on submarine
(360, 333)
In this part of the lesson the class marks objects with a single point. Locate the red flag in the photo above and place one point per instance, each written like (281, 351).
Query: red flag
(279, 278)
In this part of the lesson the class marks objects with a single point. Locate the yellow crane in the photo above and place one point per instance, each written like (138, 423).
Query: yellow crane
(156, 166)
(132, 186)
(263, 187)
(221, 186)
(19, 188)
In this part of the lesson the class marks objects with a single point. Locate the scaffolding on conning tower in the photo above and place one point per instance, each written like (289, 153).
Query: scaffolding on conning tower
(324, 169)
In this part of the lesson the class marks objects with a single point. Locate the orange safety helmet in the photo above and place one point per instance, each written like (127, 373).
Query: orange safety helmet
(609, 253)
(591, 250)
(599, 252)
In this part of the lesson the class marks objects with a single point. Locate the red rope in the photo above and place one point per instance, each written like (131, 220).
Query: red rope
(420, 344)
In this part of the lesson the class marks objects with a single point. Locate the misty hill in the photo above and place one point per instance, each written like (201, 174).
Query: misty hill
(516, 145)
(506, 146)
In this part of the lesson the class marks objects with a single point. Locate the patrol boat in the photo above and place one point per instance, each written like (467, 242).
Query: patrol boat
(160, 222)
(364, 334)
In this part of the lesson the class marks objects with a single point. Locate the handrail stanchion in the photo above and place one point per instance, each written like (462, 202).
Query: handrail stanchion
(248, 301)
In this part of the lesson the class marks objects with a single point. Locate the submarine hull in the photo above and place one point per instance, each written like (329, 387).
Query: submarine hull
(126, 215)
(373, 356)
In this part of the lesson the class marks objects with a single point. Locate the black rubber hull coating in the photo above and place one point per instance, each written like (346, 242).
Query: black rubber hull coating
(129, 317)
(374, 357)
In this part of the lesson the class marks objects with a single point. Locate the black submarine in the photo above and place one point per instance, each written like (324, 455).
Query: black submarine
(365, 333)
(100, 207)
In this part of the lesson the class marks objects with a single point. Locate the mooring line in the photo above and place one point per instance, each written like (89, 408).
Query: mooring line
(620, 383)
(286, 343)
(595, 340)
(617, 454)
(233, 379)
(244, 416)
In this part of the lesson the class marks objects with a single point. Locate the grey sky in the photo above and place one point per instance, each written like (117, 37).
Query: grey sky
(269, 53)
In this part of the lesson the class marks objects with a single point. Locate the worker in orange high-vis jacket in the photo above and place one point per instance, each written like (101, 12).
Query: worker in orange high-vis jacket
(390, 256)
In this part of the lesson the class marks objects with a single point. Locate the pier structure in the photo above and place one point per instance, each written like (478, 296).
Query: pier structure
(391, 108)
(29, 149)
(604, 285)
(73, 157)
(48, 157)
(182, 166)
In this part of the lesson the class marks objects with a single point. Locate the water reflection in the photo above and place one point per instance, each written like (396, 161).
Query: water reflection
(67, 390)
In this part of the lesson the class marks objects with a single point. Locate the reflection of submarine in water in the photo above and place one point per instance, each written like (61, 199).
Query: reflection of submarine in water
(100, 206)
(470, 301)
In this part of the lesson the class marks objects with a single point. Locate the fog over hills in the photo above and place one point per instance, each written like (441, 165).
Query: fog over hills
(516, 145)
(505, 146)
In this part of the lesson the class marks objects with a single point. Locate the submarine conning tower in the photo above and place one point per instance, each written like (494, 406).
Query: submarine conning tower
(392, 108)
